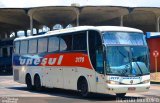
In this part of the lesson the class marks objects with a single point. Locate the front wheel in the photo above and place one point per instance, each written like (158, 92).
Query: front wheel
(121, 95)
(84, 88)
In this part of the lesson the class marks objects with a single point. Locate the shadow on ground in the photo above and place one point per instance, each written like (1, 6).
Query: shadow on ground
(75, 95)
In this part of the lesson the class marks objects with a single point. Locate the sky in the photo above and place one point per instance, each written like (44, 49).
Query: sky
(36, 3)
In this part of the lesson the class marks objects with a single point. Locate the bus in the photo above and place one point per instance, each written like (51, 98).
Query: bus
(6, 48)
(88, 59)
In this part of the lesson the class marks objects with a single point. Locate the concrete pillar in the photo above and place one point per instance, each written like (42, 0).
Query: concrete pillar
(31, 24)
(121, 21)
(5, 35)
(25, 33)
(77, 11)
(37, 30)
(50, 28)
(8, 34)
(15, 32)
(157, 24)
(77, 20)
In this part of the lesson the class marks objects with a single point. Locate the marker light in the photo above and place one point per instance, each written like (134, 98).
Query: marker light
(112, 82)
(146, 81)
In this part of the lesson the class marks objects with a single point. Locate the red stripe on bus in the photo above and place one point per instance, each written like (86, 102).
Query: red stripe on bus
(67, 59)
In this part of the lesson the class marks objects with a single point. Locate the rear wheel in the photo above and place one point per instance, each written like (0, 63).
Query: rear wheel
(37, 83)
(29, 82)
(120, 94)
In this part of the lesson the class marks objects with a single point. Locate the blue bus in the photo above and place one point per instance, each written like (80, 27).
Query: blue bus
(6, 48)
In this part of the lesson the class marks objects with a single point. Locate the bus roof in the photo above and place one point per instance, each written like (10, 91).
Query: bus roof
(83, 28)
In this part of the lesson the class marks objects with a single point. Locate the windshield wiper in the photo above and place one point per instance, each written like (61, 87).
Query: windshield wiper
(130, 62)
(120, 52)
(139, 67)
(135, 60)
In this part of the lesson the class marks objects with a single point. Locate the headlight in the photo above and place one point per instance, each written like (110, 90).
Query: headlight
(146, 81)
(112, 82)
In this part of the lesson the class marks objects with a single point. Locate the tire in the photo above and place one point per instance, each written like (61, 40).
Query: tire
(121, 95)
(84, 88)
(37, 83)
(29, 82)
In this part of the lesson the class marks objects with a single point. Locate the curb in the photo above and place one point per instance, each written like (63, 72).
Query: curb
(155, 82)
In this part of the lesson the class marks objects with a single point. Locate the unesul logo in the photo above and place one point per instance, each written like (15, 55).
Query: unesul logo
(41, 61)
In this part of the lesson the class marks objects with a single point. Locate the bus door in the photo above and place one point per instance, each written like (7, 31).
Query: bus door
(100, 76)
(97, 58)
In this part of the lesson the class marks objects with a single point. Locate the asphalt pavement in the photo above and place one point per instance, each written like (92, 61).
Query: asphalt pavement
(13, 92)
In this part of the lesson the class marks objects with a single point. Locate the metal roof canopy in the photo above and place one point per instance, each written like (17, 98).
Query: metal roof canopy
(146, 19)
(15, 19)
(99, 15)
(91, 15)
(53, 15)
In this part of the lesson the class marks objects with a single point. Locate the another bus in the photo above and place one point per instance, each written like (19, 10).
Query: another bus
(6, 48)
(102, 59)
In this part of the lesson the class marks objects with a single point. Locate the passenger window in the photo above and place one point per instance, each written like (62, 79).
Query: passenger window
(42, 45)
(66, 43)
(79, 41)
(33, 46)
(24, 47)
(53, 44)
(17, 47)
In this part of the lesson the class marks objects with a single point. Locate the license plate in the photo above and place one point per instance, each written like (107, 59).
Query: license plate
(131, 88)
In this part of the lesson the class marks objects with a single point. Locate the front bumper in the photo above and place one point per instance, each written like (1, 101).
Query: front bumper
(128, 88)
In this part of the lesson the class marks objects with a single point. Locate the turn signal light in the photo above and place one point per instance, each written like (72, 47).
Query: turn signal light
(112, 82)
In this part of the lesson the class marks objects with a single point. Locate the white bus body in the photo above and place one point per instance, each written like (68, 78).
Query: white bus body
(104, 59)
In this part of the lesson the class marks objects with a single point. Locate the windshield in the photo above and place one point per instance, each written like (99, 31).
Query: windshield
(126, 60)
(126, 54)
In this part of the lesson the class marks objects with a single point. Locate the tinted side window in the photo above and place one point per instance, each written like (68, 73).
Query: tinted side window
(53, 44)
(24, 47)
(79, 41)
(42, 45)
(33, 46)
(66, 43)
(17, 47)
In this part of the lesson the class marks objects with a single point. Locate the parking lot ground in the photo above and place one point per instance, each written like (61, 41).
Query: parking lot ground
(13, 92)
